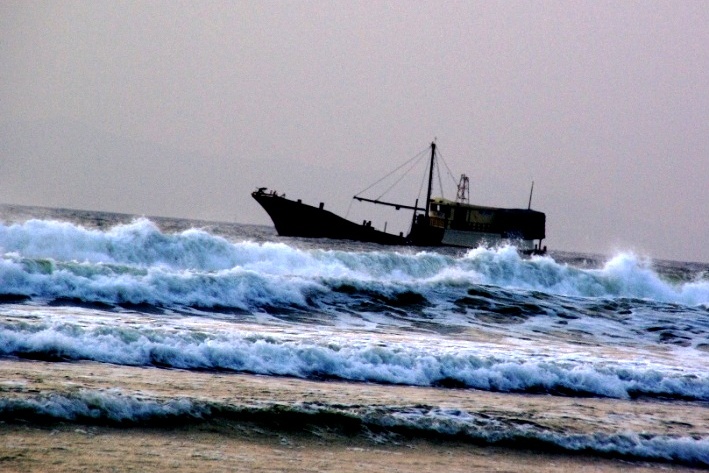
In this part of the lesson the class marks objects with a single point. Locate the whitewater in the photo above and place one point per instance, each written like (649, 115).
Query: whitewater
(237, 299)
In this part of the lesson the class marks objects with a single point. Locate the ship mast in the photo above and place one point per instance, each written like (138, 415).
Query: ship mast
(430, 179)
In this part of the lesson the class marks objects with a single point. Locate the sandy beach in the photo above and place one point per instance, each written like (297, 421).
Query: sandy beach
(277, 445)
(235, 448)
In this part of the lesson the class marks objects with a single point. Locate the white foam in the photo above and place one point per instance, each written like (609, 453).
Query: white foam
(410, 361)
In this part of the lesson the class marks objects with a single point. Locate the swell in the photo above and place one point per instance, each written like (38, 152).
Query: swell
(114, 408)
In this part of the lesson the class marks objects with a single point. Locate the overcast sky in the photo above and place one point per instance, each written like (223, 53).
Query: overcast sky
(183, 108)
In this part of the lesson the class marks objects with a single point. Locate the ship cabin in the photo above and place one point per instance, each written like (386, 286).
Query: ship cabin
(471, 225)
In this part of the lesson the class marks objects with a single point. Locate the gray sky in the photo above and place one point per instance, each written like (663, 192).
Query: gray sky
(182, 108)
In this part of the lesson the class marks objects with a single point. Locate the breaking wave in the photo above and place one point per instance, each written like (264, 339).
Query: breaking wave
(338, 357)
(137, 263)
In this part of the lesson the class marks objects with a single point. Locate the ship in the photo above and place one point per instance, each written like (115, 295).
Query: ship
(439, 222)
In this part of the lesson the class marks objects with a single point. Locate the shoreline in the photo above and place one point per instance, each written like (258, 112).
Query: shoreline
(237, 447)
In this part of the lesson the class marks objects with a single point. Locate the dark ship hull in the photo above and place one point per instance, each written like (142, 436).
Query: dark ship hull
(296, 219)
(442, 222)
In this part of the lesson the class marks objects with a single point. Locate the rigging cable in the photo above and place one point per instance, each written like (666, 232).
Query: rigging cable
(349, 207)
(423, 180)
(440, 183)
(400, 178)
(418, 156)
(447, 169)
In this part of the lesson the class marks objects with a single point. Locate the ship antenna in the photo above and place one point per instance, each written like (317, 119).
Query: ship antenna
(529, 206)
(463, 195)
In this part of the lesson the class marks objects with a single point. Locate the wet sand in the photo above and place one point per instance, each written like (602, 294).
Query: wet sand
(232, 445)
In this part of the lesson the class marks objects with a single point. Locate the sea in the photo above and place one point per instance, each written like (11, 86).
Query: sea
(173, 294)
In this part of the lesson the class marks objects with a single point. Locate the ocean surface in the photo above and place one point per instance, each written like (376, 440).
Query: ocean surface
(229, 298)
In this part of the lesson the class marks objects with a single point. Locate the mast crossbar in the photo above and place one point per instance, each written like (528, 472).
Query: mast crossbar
(390, 204)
